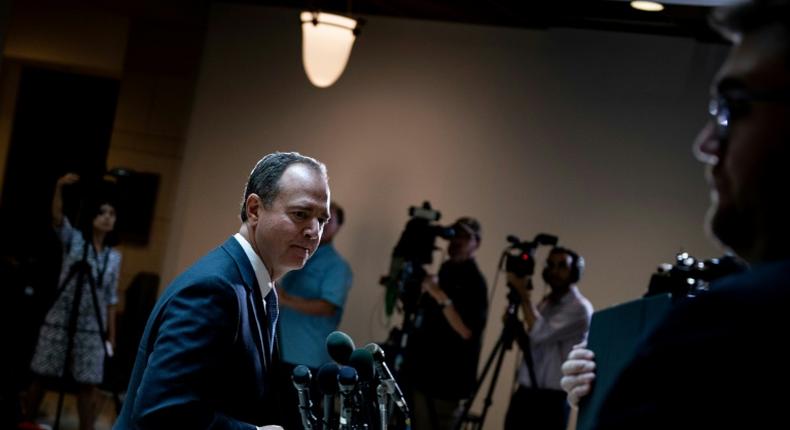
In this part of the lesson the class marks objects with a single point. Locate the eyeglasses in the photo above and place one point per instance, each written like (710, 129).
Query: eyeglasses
(731, 104)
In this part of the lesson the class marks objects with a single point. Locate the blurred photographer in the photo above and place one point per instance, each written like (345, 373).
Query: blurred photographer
(444, 349)
(546, 335)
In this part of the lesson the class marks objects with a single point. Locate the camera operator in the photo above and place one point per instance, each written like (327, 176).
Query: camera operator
(549, 331)
(440, 365)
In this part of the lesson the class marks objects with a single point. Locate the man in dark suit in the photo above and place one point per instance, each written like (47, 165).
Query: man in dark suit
(715, 360)
(208, 354)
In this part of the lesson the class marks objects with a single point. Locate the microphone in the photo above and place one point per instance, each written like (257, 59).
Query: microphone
(339, 346)
(327, 382)
(346, 381)
(381, 397)
(301, 378)
(362, 361)
(386, 378)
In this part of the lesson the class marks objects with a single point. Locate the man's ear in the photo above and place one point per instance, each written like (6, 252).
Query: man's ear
(253, 204)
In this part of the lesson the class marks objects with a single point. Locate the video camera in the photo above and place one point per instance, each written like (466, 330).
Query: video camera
(520, 259)
(414, 249)
(689, 276)
(416, 243)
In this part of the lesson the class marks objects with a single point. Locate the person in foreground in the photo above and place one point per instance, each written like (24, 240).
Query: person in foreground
(715, 361)
(208, 356)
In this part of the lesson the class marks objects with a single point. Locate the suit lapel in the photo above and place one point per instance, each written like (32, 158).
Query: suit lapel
(258, 319)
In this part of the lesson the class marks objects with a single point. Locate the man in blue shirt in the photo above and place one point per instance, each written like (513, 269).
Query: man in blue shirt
(312, 301)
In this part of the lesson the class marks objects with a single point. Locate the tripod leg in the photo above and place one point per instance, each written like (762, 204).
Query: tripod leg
(71, 333)
(498, 349)
(103, 334)
(61, 395)
(490, 393)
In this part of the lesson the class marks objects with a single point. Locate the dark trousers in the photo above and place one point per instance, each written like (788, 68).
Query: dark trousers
(538, 409)
(430, 413)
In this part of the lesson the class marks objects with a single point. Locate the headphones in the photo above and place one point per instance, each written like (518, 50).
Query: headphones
(577, 264)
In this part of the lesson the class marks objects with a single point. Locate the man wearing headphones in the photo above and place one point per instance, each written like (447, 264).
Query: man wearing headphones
(549, 331)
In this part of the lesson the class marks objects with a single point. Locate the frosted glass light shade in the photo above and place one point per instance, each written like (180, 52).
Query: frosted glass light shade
(647, 6)
(326, 45)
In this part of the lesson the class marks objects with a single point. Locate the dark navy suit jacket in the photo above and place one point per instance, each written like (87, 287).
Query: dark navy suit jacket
(716, 362)
(202, 362)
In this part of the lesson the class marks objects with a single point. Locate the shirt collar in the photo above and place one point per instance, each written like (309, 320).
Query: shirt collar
(261, 273)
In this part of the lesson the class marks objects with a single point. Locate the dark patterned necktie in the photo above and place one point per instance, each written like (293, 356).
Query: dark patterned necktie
(272, 313)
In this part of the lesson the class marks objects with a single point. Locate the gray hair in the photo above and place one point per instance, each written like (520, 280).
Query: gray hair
(265, 177)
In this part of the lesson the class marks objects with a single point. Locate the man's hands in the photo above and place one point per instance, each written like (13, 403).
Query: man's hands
(522, 285)
(578, 373)
(317, 307)
(430, 285)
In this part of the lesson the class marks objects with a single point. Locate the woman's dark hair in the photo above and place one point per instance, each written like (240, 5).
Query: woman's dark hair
(89, 212)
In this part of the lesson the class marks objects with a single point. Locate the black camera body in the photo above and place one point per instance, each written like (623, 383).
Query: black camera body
(689, 276)
(413, 250)
(520, 257)
(417, 242)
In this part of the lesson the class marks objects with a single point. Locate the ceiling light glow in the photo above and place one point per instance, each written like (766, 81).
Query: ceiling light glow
(647, 6)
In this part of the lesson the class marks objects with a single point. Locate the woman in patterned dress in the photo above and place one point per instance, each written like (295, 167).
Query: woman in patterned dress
(86, 362)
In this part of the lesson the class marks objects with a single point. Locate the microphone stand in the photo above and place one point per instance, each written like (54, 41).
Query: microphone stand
(347, 380)
(382, 396)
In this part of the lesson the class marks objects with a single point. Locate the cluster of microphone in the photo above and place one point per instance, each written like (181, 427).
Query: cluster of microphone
(360, 376)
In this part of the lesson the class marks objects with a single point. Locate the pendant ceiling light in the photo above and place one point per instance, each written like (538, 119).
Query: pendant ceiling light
(326, 45)
(647, 6)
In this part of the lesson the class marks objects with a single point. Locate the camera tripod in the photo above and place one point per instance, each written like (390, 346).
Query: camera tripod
(81, 270)
(511, 330)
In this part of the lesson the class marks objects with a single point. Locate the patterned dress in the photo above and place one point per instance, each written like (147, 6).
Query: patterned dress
(87, 358)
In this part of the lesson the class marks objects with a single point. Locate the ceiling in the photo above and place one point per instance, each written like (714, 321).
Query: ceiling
(682, 18)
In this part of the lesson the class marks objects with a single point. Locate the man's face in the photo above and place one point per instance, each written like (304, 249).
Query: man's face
(558, 269)
(463, 245)
(748, 168)
(287, 233)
